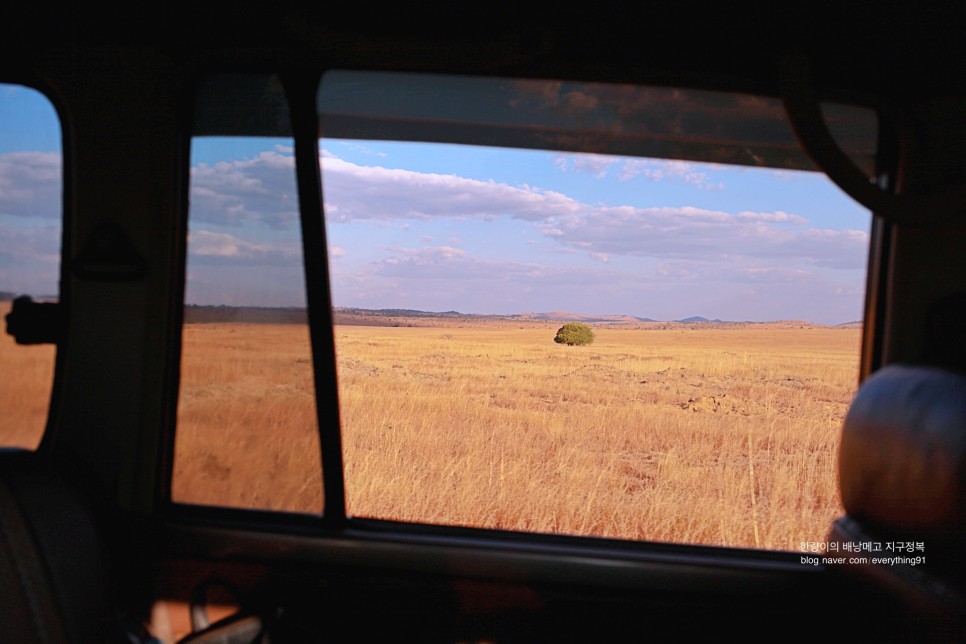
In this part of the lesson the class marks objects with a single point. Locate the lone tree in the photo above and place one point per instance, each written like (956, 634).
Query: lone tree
(574, 333)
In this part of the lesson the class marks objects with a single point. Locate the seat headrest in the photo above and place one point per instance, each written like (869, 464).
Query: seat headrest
(902, 460)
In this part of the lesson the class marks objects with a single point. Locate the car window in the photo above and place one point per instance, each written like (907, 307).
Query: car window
(586, 309)
(31, 230)
(247, 434)
(559, 308)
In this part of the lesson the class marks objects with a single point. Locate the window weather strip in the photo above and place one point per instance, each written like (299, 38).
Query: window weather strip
(880, 252)
(301, 90)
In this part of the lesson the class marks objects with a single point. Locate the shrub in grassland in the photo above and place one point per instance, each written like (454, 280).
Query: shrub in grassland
(574, 333)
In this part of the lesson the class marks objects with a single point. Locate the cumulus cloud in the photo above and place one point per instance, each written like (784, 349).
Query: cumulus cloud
(745, 254)
(595, 164)
(742, 289)
(30, 222)
(362, 192)
(733, 271)
(355, 192)
(777, 216)
(771, 274)
(260, 190)
(439, 279)
(426, 256)
(690, 173)
(599, 165)
(209, 247)
(30, 184)
(698, 233)
(29, 256)
(445, 263)
(237, 270)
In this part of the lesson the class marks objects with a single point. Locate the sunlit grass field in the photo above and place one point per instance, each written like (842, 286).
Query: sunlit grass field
(691, 434)
(25, 386)
(721, 436)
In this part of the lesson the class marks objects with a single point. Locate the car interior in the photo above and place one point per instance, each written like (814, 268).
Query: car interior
(104, 537)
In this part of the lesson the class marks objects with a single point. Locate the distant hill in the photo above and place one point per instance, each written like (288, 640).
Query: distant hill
(201, 314)
(211, 314)
(195, 314)
(697, 319)
(7, 296)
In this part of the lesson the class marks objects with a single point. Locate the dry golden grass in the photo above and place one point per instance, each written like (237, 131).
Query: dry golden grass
(247, 432)
(28, 374)
(690, 435)
(723, 437)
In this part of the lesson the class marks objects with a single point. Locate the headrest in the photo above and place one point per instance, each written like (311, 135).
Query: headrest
(902, 461)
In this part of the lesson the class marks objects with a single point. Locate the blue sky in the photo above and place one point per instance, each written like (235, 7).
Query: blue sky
(478, 230)
(482, 230)
(30, 192)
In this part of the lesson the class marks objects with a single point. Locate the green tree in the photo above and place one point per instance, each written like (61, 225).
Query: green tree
(574, 333)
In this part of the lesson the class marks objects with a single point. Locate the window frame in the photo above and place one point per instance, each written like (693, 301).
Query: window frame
(336, 538)
(51, 423)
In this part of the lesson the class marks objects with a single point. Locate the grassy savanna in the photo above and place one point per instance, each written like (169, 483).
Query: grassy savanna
(721, 436)
(724, 437)
(247, 432)
(28, 375)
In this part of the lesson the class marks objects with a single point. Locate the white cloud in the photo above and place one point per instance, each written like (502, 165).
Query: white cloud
(779, 216)
(29, 256)
(695, 174)
(446, 278)
(209, 247)
(31, 184)
(259, 190)
(771, 274)
(440, 278)
(595, 164)
(676, 270)
(429, 255)
(745, 256)
(659, 170)
(695, 233)
(373, 192)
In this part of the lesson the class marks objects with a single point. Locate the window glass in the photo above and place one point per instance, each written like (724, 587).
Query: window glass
(247, 432)
(30, 253)
(470, 221)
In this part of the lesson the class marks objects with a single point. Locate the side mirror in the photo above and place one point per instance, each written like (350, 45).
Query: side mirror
(32, 322)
